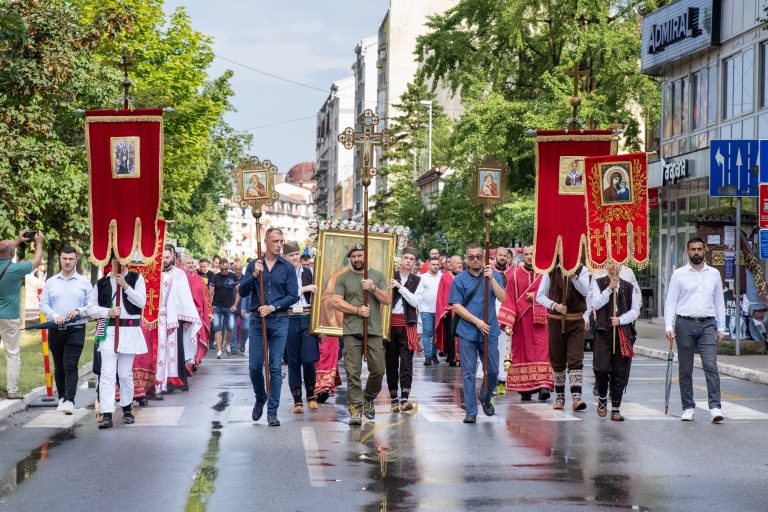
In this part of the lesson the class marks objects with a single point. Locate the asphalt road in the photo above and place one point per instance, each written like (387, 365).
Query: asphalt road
(200, 451)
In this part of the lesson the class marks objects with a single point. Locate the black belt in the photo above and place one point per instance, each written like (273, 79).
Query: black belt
(126, 322)
(697, 318)
(65, 327)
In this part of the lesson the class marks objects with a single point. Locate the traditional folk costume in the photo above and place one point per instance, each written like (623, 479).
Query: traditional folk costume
(302, 348)
(200, 298)
(530, 370)
(566, 331)
(131, 341)
(613, 346)
(178, 325)
(444, 319)
(403, 339)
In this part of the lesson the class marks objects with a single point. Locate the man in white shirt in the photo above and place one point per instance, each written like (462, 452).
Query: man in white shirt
(565, 296)
(694, 315)
(430, 280)
(65, 300)
(403, 338)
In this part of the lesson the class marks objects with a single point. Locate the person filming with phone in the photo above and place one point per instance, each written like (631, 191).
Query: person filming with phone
(11, 279)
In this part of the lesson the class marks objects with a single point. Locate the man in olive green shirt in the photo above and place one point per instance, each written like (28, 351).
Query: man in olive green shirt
(11, 280)
(348, 298)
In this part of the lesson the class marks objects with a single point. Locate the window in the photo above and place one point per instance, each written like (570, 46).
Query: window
(666, 107)
(738, 88)
(764, 75)
(704, 97)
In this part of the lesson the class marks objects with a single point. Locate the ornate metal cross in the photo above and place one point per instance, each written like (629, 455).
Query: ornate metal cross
(575, 123)
(366, 140)
(151, 295)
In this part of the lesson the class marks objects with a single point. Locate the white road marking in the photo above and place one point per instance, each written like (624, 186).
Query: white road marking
(241, 414)
(157, 416)
(55, 419)
(313, 458)
(545, 412)
(634, 411)
(732, 411)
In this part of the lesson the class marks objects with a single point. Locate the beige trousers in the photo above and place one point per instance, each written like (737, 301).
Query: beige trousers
(10, 335)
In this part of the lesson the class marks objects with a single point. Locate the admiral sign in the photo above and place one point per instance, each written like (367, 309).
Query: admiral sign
(678, 30)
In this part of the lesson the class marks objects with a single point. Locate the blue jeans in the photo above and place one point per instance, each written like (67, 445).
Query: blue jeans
(428, 334)
(470, 351)
(245, 329)
(220, 316)
(277, 332)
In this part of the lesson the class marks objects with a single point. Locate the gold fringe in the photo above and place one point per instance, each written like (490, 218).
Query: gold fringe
(123, 119)
(573, 138)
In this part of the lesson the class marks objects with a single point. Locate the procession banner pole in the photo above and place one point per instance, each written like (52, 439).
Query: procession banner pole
(366, 139)
(255, 187)
(487, 213)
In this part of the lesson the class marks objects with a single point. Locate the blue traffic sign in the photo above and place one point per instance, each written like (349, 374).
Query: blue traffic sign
(732, 168)
(764, 244)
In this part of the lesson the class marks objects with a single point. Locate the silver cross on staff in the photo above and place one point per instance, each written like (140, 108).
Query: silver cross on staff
(366, 140)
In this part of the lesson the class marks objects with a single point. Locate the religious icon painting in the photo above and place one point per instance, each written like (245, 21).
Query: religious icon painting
(254, 180)
(255, 184)
(489, 183)
(616, 182)
(124, 157)
(571, 178)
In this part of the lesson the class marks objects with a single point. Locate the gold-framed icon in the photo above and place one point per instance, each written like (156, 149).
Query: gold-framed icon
(254, 183)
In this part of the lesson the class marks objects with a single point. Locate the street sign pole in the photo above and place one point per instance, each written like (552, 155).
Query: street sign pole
(737, 277)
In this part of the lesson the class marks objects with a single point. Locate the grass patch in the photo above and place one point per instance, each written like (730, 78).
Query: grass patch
(32, 369)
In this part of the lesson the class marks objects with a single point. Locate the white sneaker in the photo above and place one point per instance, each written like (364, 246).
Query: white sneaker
(218, 354)
(688, 414)
(717, 416)
(67, 407)
(60, 408)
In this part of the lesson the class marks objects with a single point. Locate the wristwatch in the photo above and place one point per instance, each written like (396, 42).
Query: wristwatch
(271, 308)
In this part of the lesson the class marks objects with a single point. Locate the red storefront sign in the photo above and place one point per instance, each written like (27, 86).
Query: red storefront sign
(763, 213)
(653, 198)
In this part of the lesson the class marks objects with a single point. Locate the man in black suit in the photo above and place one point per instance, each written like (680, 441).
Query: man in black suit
(302, 348)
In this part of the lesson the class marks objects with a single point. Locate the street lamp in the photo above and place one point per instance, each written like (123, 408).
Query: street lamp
(428, 103)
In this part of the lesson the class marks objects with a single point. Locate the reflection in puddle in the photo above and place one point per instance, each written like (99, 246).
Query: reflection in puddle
(206, 473)
(27, 466)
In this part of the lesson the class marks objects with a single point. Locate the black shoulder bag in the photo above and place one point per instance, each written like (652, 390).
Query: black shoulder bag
(456, 318)
(5, 270)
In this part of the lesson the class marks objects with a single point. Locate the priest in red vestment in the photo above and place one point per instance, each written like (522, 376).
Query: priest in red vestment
(200, 298)
(530, 370)
(443, 315)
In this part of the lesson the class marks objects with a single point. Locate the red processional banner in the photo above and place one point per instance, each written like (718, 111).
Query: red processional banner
(560, 227)
(145, 365)
(125, 163)
(617, 209)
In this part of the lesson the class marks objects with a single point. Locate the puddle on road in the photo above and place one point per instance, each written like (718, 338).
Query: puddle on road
(27, 466)
(206, 473)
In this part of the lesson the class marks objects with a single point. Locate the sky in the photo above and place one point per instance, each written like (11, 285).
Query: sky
(307, 41)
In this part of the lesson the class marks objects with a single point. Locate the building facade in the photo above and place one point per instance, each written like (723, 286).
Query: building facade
(332, 160)
(365, 72)
(711, 57)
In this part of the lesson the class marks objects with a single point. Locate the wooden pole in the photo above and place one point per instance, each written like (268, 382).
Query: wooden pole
(118, 293)
(257, 215)
(488, 212)
(615, 313)
(365, 182)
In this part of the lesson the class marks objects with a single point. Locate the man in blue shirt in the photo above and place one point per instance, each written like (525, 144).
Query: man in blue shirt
(280, 293)
(468, 302)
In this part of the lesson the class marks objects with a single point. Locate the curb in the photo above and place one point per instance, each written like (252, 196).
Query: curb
(11, 407)
(739, 372)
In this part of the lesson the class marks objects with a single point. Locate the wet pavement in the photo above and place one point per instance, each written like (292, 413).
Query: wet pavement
(199, 451)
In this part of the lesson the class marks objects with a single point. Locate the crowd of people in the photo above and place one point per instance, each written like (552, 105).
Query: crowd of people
(527, 328)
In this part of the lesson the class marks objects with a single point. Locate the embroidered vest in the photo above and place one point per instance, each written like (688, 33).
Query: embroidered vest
(104, 290)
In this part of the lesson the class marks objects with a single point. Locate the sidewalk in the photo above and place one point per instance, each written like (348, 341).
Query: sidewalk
(10, 407)
(652, 342)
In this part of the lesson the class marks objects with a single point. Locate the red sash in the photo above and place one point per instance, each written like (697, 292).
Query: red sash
(414, 344)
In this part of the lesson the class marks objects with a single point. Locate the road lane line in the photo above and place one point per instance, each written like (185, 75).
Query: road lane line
(312, 456)
(732, 411)
(55, 419)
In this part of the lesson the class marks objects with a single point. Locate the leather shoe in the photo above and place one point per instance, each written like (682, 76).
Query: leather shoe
(428, 361)
(323, 396)
(128, 417)
(470, 418)
(14, 396)
(258, 410)
(106, 420)
(312, 404)
(489, 409)
(544, 395)
(272, 420)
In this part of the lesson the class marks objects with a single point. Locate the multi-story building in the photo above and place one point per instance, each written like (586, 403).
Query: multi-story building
(712, 60)
(365, 72)
(332, 159)
(397, 66)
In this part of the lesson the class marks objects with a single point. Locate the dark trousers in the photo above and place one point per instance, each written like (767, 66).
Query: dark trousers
(66, 346)
(611, 369)
(181, 358)
(450, 341)
(303, 352)
(399, 362)
(566, 349)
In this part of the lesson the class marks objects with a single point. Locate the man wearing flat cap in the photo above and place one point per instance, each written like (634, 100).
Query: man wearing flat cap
(348, 298)
(407, 290)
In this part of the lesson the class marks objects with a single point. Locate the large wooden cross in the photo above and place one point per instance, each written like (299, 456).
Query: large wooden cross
(366, 139)
(575, 101)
